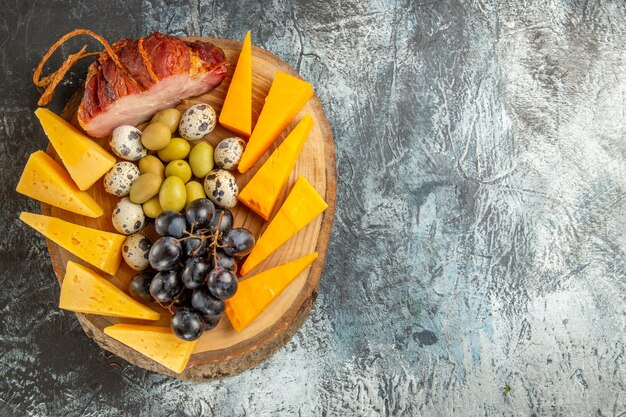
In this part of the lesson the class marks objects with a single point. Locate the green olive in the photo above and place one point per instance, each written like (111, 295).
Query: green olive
(178, 148)
(145, 187)
(195, 190)
(151, 163)
(173, 194)
(156, 136)
(152, 208)
(178, 168)
(169, 117)
(201, 159)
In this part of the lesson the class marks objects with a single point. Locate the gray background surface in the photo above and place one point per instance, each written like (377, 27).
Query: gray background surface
(477, 259)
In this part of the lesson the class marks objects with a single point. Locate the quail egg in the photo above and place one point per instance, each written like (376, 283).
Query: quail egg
(228, 153)
(128, 217)
(197, 121)
(126, 143)
(221, 188)
(119, 179)
(135, 251)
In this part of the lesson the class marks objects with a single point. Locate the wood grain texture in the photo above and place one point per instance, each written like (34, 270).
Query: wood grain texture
(223, 351)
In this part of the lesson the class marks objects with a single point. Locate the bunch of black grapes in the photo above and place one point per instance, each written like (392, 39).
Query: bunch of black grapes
(195, 266)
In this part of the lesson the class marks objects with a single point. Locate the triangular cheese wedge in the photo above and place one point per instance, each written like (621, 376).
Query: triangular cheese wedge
(286, 97)
(84, 291)
(85, 160)
(263, 190)
(99, 248)
(302, 205)
(236, 114)
(157, 343)
(45, 180)
(256, 293)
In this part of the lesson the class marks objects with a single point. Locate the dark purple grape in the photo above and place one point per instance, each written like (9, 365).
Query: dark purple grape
(170, 223)
(187, 324)
(211, 322)
(206, 304)
(195, 272)
(199, 213)
(227, 219)
(165, 253)
(193, 246)
(238, 242)
(183, 298)
(222, 283)
(165, 286)
(139, 286)
(223, 260)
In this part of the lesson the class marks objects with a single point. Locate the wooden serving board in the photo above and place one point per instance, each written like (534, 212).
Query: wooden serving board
(222, 351)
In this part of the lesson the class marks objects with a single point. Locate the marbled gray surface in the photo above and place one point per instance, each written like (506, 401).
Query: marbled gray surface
(477, 260)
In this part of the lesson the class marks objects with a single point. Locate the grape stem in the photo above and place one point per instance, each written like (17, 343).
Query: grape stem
(216, 236)
(169, 306)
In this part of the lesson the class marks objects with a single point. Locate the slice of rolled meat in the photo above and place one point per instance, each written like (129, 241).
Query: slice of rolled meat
(157, 73)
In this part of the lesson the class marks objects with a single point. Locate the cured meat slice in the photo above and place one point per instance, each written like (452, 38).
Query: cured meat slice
(133, 79)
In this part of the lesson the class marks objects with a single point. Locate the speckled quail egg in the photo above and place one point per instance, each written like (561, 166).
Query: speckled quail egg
(128, 217)
(228, 153)
(221, 188)
(197, 121)
(119, 179)
(135, 251)
(126, 143)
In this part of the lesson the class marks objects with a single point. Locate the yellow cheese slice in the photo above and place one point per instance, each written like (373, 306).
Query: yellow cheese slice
(302, 205)
(97, 247)
(45, 180)
(263, 190)
(287, 95)
(236, 114)
(157, 343)
(85, 160)
(84, 291)
(256, 293)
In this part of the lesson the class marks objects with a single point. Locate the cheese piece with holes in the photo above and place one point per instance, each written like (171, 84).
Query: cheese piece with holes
(302, 205)
(84, 159)
(84, 291)
(45, 180)
(263, 190)
(287, 95)
(96, 247)
(236, 114)
(157, 343)
(256, 293)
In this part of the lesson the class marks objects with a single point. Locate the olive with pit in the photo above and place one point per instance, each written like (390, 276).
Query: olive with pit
(201, 159)
(195, 190)
(178, 168)
(173, 194)
(169, 117)
(151, 163)
(145, 187)
(178, 148)
(156, 136)
(152, 208)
